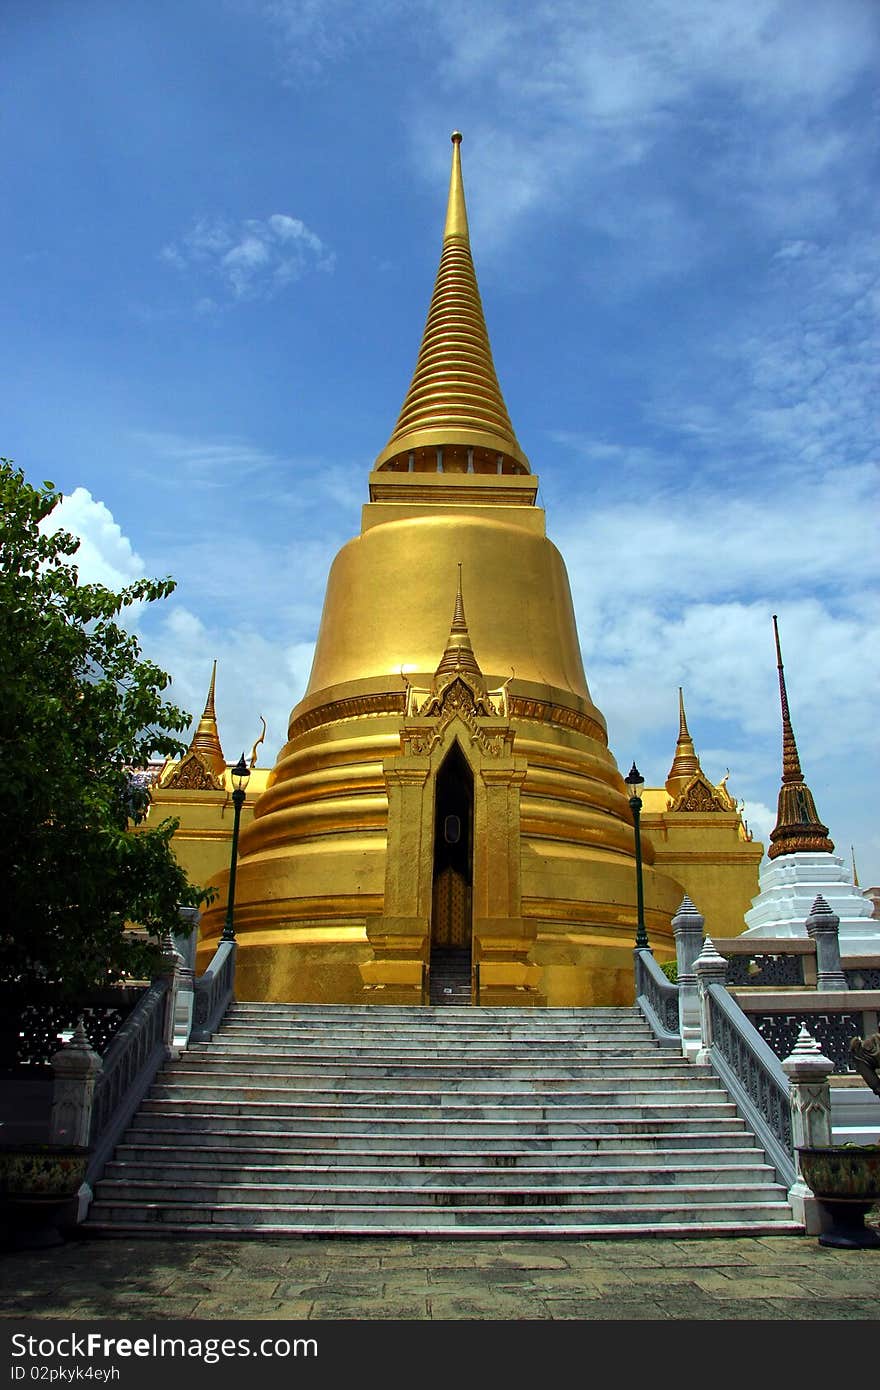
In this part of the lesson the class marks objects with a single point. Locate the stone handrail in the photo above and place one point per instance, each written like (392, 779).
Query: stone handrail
(129, 1069)
(777, 963)
(752, 1075)
(214, 992)
(94, 1101)
(832, 1017)
(657, 998)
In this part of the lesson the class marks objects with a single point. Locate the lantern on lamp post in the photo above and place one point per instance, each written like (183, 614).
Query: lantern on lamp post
(635, 782)
(240, 777)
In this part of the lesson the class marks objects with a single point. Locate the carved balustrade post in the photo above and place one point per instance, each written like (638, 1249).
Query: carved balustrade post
(808, 1071)
(710, 968)
(187, 942)
(687, 925)
(75, 1069)
(180, 1000)
(822, 926)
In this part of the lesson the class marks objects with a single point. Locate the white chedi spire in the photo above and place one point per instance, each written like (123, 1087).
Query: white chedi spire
(788, 887)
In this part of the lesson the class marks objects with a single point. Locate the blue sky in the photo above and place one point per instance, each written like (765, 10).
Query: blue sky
(222, 223)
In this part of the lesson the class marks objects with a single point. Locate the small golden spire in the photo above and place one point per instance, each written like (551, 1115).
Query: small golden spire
(456, 212)
(454, 419)
(206, 739)
(685, 764)
(458, 654)
(798, 829)
(852, 851)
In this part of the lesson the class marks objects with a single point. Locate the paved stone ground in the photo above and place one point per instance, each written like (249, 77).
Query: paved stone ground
(766, 1278)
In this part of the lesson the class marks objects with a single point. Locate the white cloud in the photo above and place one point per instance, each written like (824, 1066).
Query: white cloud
(256, 675)
(105, 555)
(722, 109)
(251, 260)
(795, 250)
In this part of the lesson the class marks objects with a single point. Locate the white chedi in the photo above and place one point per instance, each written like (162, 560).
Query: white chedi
(790, 884)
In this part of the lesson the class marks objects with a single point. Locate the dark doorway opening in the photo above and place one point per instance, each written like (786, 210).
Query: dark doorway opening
(452, 893)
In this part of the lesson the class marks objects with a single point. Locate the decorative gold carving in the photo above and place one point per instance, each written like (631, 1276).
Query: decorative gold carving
(404, 490)
(193, 775)
(538, 711)
(724, 793)
(422, 743)
(698, 795)
(807, 843)
(388, 702)
(543, 712)
(459, 696)
(253, 758)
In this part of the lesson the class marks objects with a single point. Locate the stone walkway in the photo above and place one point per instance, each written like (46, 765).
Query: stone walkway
(767, 1278)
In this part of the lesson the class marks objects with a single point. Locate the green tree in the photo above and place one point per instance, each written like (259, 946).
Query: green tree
(80, 708)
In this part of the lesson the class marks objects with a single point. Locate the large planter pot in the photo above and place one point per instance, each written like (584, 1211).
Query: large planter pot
(37, 1185)
(845, 1178)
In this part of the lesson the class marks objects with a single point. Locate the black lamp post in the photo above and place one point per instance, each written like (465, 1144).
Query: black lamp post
(635, 782)
(240, 778)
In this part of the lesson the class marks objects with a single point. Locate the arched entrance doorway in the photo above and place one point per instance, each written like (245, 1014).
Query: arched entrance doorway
(452, 881)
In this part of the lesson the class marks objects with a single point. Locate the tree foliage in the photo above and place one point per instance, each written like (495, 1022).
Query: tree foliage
(80, 708)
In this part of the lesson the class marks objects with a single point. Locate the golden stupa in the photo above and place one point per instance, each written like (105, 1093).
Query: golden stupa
(446, 784)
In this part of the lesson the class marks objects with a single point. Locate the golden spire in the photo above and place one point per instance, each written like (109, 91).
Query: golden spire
(852, 851)
(459, 653)
(685, 764)
(456, 212)
(206, 739)
(798, 828)
(454, 419)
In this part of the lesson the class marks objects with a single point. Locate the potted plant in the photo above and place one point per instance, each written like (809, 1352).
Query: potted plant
(846, 1180)
(37, 1185)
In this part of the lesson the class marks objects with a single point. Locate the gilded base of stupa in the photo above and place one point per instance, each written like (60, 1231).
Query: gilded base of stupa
(336, 889)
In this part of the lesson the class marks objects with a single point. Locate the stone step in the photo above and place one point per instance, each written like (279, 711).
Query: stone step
(447, 1121)
(423, 1014)
(611, 1153)
(523, 1030)
(179, 1174)
(370, 1220)
(127, 1228)
(446, 1128)
(441, 1049)
(453, 1053)
(525, 1194)
(725, 1137)
(390, 1109)
(242, 1063)
(446, 1017)
(431, 1090)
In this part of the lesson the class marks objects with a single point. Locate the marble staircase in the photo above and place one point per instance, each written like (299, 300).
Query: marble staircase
(455, 1122)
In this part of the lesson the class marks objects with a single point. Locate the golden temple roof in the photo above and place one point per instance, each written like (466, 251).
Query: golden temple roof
(454, 419)
(798, 828)
(203, 765)
(206, 739)
(685, 764)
